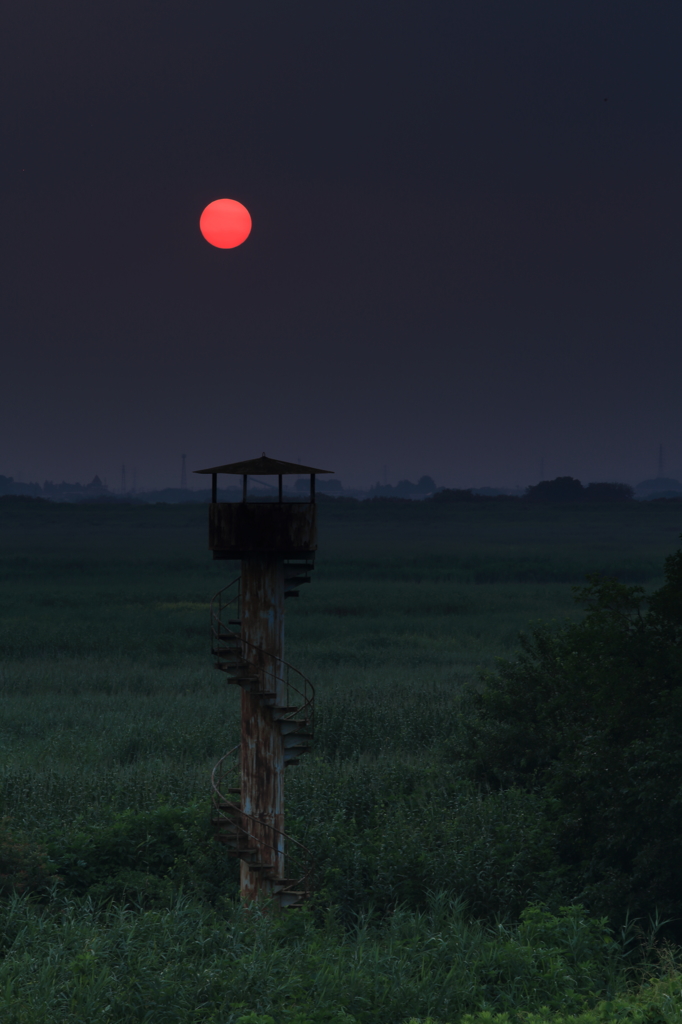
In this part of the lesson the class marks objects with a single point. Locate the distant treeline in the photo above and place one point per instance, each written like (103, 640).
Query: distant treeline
(404, 489)
(563, 488)
(54, 492)
(98, 492)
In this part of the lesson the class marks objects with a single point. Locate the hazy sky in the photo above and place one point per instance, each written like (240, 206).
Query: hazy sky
(465, 256)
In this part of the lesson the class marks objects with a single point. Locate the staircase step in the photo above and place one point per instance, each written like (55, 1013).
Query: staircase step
(245, 852)
(238, 680)
(291, 725)
(291, 900)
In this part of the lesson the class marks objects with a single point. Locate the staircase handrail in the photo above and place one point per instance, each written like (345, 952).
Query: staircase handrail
(307, 856)
(221, 629)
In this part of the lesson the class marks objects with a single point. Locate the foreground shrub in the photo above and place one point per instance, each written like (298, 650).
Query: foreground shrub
(69, 962)
(659, 1002)
(589, 717)
(144, 857)
(24, 865)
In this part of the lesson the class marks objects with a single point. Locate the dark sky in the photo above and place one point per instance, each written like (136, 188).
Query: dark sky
(465, 256)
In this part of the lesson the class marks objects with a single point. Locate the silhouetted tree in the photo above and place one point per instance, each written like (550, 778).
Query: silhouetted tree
(453, 494)
(563, 488)
(404, 489)
(426, 484)
(609, 492)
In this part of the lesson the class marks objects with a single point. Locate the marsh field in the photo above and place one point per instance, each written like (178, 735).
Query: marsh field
(434, 898)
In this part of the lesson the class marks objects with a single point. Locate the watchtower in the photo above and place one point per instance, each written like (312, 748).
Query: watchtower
(275, 540)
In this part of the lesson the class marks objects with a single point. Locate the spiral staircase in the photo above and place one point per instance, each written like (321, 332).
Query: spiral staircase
(290, 698)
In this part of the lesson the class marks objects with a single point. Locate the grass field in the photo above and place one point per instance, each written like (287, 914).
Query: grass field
(112, 717)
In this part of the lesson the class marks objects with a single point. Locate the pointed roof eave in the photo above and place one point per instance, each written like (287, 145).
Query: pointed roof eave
(264, 466)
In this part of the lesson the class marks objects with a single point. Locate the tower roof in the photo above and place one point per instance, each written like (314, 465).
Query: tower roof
(264, 466)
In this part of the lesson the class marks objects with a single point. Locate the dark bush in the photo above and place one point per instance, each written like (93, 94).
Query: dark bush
(454, 494)
(143, 857)
(24, 865)
(609, 492)
(590, 716)
(566, 488)
(467, 494)
(563, 488)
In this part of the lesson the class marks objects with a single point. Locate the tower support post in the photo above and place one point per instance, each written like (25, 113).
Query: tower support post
(262, 745)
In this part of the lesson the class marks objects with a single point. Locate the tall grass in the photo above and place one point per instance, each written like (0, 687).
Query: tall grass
(190, 963)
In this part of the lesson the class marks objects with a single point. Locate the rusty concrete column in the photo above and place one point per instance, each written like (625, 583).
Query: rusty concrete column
(262, 747)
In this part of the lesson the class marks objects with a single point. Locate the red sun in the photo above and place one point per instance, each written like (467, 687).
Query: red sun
(225, 223)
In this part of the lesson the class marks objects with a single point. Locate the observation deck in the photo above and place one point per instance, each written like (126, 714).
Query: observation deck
(243, 529)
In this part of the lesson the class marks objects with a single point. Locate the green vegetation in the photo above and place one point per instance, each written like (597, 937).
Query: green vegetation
(589, 718)
(450, 866)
